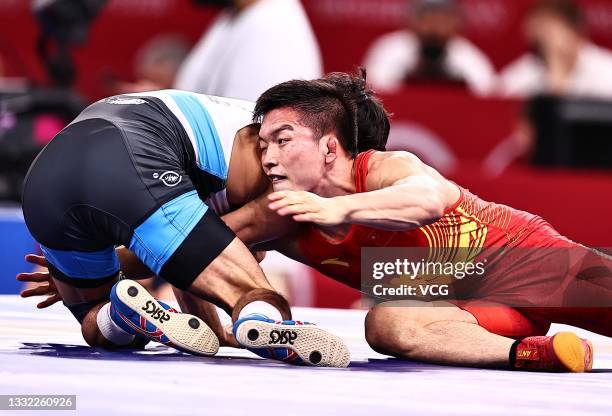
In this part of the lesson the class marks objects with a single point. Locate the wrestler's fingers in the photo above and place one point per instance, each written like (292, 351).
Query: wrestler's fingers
(33, 277)
(274, 196)
(37, 291)
(36, 259)
(308, 217)
(294, 209)
(276, 205)
(49, 301)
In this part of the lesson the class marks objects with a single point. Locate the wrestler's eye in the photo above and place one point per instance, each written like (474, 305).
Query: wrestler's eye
(282, 141)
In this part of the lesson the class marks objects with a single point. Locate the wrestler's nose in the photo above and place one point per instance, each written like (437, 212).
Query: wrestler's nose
(270, 157)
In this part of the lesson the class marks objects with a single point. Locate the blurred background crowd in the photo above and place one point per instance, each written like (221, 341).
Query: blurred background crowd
(510, 98)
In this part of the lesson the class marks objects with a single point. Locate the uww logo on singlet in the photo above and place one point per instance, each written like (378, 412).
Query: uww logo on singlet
(169, 178)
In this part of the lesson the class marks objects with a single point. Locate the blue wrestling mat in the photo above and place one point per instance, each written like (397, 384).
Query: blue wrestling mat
(42, 352)
(15, 243)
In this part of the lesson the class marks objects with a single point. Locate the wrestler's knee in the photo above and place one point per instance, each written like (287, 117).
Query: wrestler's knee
(392, 330)
(94, 338)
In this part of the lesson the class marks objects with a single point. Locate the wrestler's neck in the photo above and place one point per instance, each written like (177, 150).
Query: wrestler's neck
(338, 179)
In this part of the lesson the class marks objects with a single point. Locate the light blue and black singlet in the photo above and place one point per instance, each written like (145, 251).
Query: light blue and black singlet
(135, 170)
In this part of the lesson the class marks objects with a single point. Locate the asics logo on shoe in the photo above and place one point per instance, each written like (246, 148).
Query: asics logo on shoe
(156, 313)
(282, 337)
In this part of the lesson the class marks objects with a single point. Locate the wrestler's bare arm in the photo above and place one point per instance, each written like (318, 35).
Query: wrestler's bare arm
(253, 223)
(256, 223)
(403, 194)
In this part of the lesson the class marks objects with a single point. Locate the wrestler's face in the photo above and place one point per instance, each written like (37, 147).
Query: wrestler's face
(437, 26)
(291, 154)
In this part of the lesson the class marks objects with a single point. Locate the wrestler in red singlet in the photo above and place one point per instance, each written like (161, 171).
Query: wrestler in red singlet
(537, 275)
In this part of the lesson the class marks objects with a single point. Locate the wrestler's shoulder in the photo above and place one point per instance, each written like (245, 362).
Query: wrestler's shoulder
(394, 155)
(394, 161)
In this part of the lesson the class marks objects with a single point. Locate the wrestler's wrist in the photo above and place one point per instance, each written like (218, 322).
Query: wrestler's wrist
(343, 209)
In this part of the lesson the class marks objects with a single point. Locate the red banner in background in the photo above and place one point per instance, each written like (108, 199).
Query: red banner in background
(346, 28)
(431, 121)
(121, 29)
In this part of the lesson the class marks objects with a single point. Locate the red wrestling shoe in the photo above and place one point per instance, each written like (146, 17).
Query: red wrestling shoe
(563, 352)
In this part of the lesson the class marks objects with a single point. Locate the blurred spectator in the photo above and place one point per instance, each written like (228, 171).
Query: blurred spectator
(253, 45)
(562, 61)
(434, 51)
(156, 64)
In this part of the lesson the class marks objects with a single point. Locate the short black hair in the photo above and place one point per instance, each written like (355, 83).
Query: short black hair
(339, 103)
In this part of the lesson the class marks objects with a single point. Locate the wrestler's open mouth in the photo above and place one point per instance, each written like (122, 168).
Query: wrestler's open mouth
(277, 178)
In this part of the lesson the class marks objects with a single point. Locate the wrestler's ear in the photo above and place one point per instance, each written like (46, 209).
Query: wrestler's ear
(331, 145)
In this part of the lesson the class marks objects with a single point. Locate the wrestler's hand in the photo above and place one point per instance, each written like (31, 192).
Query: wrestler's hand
(45, 286)
(308, 207)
